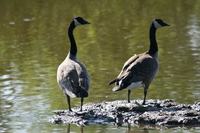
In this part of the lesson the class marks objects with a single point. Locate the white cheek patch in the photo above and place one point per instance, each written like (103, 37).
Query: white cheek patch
(76, 22)
(156, 24)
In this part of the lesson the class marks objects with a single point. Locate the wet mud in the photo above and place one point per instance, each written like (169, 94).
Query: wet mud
(157, 113)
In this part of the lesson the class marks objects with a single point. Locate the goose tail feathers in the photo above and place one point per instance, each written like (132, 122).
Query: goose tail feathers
(117, 88)
(82, 93)
(113, 81)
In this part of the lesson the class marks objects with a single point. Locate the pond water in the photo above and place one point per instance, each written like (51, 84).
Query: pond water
(34, 41)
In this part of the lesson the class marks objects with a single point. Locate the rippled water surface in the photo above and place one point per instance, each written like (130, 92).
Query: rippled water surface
(34, 41)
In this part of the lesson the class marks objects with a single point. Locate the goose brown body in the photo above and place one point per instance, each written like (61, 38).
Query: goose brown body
(72, 75)
(140, 70)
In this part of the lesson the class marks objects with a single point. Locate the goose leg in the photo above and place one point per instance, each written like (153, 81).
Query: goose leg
(81, 129)
(129, 92)
(68, 129)
(145, 94)
(81, 103)
(68, 100)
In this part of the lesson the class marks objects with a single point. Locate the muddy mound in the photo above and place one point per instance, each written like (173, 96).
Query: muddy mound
(156, 112)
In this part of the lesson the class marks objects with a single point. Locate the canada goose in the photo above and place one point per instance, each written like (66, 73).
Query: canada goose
(72, 76)
(140, 70)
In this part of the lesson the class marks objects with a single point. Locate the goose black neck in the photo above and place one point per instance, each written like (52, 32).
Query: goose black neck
(73, 49)
(152, 36)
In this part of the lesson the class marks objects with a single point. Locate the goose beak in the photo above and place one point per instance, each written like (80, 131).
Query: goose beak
(165, 24)
(86, 22)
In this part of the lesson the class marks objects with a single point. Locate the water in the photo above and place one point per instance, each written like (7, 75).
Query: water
(33, 42)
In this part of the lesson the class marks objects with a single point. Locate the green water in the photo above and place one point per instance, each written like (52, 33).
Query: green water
(34, 41)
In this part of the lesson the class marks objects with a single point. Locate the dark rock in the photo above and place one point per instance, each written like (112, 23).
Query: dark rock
(155, 112)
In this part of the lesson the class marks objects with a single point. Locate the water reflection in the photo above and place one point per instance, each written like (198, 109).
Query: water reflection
(127, 127)
(10, 88)
(136, 131)
(68, 129)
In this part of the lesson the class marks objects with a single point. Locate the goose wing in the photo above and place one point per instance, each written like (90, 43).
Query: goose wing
(124, 68)
(142, 68)
(73, 78)
(84, 78)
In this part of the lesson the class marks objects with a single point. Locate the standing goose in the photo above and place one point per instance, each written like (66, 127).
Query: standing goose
(72, 76)
(140, 70)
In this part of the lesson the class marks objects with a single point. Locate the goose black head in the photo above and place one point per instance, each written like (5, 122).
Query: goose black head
(80, 21)
(159, 23)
